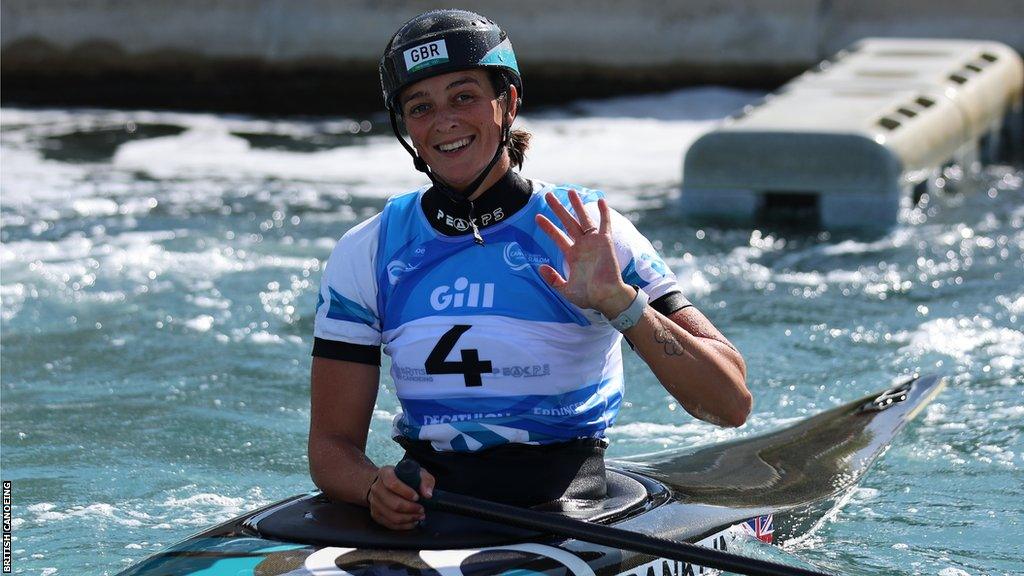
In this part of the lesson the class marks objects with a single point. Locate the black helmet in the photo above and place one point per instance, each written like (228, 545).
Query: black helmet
(442, 41)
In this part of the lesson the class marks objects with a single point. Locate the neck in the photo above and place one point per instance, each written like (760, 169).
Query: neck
(496, 203)
(496, 173)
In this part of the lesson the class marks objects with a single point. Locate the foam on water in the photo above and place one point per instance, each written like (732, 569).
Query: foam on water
(669, 435)
(961, 337)
(160, 273)
(210, 148)
(214, 152)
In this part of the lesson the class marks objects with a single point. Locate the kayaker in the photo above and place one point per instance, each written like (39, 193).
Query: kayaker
(500, 301)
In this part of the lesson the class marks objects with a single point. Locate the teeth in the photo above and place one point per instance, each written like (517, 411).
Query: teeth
(454, 145)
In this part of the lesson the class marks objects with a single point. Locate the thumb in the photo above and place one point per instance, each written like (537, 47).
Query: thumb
(427, 483)
(552, 277)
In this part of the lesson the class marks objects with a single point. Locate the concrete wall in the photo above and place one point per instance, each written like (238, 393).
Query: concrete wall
(321, 54)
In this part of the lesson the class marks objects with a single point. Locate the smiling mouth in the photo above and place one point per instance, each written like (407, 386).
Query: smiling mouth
(456, 145)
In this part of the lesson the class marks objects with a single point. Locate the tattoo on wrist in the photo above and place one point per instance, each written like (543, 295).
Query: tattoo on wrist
(663, 336)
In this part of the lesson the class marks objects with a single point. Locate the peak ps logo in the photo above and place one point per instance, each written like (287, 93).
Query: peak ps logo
(424, 55)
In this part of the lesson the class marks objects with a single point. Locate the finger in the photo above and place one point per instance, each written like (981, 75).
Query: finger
(386, 516)
(391, 481)
(552, 277)
(397, 500)
(384, 508)
(397, 503)
(427, 484)
(606, 216)
(395, 521)
(555, 233)
(581, 213)
(396, 517)
(566, 217)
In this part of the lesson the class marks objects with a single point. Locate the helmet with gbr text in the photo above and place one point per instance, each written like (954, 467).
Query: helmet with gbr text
(442, 41)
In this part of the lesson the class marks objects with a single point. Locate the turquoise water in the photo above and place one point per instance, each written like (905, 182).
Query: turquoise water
(158, 284)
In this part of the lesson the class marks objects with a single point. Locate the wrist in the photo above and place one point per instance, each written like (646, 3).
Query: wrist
(617, 303)
(630, 316)
(369, 487)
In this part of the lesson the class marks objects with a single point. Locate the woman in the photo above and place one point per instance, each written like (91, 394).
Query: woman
(500, 301)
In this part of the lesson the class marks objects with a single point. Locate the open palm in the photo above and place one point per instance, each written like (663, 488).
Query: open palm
(594, 279)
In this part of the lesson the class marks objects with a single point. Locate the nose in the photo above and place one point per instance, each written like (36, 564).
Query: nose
(447, 119)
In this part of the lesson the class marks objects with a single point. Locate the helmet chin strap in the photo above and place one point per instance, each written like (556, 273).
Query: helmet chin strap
(442, 186)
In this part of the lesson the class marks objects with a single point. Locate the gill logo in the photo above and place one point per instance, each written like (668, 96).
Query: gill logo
(462, 294)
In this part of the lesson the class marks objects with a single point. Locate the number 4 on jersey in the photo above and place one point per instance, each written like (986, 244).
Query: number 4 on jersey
(471, 367)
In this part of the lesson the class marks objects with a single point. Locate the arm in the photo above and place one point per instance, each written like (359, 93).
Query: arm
(691, 359)
(341, 405)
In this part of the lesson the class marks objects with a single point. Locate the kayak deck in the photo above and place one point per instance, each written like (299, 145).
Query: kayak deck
(313, 519)
(796, 475)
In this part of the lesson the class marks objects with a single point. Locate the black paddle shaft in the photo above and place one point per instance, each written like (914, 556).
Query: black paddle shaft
(408, 471)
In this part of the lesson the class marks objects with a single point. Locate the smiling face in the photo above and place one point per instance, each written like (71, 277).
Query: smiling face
(454, 121)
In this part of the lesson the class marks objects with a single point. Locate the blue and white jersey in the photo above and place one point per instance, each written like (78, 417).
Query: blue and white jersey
(483, 352)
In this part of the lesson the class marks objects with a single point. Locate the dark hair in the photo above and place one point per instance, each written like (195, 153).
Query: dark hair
(519, 140)
(519, 143)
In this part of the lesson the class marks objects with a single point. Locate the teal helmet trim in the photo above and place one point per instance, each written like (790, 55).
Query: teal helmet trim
(502, 56)
(442, 41)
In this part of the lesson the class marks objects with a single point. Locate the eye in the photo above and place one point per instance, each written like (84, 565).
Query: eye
(464, 97)
(417, 110)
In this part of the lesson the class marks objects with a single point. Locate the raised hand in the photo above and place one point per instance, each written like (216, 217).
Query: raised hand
(594, 279)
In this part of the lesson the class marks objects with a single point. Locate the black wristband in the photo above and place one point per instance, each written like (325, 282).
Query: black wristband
(670, 303)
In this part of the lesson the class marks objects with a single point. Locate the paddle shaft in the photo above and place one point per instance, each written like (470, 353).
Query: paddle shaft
(595, 533)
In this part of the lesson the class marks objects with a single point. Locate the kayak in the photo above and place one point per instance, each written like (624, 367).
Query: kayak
(774, 487)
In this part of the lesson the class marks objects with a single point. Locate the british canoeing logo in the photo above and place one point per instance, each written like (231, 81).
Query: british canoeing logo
(518, 259)
(395, 270)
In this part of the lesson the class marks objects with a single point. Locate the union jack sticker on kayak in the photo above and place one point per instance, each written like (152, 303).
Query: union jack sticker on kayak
(761, 527)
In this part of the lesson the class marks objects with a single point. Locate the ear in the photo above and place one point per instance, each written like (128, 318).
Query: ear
(513, 103)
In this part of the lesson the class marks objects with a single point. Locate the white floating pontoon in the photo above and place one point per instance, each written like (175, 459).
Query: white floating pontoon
(852, 138)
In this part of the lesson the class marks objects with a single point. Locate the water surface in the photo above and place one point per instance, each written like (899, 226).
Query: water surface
(159, 278)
